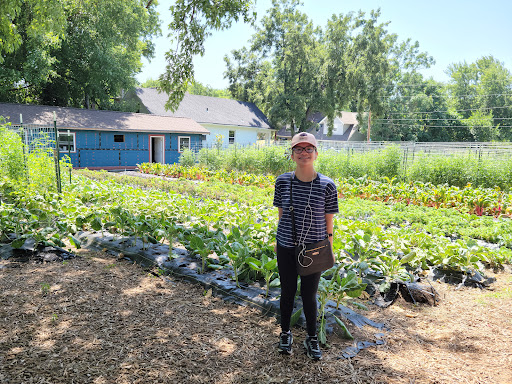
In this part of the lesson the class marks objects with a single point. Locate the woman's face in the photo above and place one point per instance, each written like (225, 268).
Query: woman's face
(304, 158)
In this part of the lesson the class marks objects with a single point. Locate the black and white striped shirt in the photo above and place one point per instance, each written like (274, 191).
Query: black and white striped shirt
(323, 200)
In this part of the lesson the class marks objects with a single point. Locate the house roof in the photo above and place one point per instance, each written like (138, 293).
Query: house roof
(351, 130)
(90, 119)
(206, 109)
(348, 118)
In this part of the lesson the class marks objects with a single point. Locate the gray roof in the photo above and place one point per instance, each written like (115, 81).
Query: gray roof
(90, 119)
(206, 109)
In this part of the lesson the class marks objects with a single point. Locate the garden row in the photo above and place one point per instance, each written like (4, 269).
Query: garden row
(445, 222)
(211, 228)
(477, 201)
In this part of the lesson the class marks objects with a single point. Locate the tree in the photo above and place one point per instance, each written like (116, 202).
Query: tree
(197, 88)
(297, 58)
(29, 19)
(29, 31)
(150, 83)
(481, 96)
(284, 69)
(366, 64)
(101, 52)
(96, 55)
(293, 69)
(192, 23)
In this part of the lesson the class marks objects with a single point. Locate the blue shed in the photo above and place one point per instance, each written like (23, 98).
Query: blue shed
(112, 140)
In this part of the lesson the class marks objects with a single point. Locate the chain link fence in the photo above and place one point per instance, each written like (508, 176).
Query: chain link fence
(409, 149)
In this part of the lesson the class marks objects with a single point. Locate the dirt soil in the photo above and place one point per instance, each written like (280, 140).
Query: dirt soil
(97, 319)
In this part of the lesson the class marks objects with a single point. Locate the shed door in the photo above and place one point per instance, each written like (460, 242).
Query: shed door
(156, 149)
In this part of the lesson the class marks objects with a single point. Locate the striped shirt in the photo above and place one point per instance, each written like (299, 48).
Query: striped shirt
(310, 225)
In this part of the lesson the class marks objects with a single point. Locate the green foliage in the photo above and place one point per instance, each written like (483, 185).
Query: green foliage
(75, 53)
(209, 159)
(36, 20)
(30, 31)
(12, 161)
(272, 160)
(375, 164)
(187, 158)
(192, 23)
(480, 91)
(383, 164)
(224, 189)
(197, 88)
(150, 83)
(461, 170)
(293, 69)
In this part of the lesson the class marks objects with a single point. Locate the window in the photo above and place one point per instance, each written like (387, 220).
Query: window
(231, 137)
(339, 128)
(118, 138)
(67, 142)
(183, 143)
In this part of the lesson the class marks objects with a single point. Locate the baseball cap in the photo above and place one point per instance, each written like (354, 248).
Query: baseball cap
(304, 137)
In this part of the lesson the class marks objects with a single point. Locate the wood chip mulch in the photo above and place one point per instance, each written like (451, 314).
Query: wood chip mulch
(96, 319)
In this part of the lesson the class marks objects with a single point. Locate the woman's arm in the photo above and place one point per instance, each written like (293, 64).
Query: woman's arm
(329, 222)
(280, 211)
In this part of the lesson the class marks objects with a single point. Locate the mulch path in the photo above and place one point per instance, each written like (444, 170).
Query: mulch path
(97, 319)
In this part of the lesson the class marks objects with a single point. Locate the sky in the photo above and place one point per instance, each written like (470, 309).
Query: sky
(451, 31)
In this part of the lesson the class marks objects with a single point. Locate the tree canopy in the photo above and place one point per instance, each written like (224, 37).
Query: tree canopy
(83, 53)
(193, 21)
(73, 53)
(293, 69)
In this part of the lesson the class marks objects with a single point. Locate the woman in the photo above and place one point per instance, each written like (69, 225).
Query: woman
(315, 201)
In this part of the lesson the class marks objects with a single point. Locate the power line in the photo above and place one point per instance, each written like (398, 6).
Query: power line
(437, 119)
(458, 110)
(446, 96)
(444, 126)
(426, 85)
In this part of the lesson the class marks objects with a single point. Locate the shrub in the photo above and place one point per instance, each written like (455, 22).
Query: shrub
(210, 158)
(12, 162)
(187, 158)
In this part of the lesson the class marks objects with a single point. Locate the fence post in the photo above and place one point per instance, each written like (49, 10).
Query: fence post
(23, 141)
(69, 154)
(406, 158)
(57, 154)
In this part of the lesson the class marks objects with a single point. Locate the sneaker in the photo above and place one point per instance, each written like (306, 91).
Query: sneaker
(312, 348)
(285, 343)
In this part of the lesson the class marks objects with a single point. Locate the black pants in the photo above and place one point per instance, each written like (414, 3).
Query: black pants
(308, 290)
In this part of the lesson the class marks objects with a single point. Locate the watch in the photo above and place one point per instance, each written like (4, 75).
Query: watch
(329, 234)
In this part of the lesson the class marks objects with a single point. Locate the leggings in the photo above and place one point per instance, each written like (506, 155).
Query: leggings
(308, 290)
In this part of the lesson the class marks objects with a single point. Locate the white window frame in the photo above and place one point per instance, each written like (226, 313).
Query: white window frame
(231, 140)
(179, 143)
(65, 133)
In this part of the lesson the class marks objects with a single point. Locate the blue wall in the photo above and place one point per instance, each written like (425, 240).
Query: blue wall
(98, 149)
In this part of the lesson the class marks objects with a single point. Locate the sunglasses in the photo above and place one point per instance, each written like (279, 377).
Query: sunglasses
(300, 149)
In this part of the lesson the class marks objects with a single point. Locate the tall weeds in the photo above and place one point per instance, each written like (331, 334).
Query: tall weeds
(452, 169)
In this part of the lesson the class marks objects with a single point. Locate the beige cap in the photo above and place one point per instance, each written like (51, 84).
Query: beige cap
(304, 137)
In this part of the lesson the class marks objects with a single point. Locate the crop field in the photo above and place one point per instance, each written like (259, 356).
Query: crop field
(389, 230)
